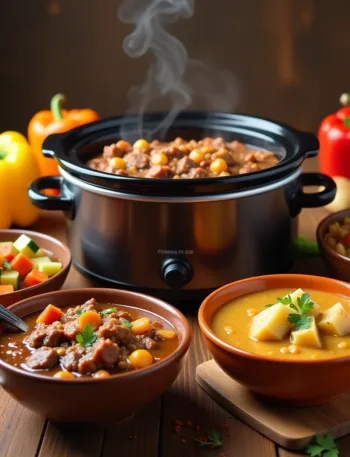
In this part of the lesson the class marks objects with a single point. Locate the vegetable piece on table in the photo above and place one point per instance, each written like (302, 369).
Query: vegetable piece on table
(307, 247)
(18, 169)
(50, 314)
(335, 321)
(10, 278)
(91, 318)
(6, 289)
(35, 277)
(7, 250)
(26, 246)
(334, 157)
(307, 337)
(22, 264)
(271, 324)
(55, 120)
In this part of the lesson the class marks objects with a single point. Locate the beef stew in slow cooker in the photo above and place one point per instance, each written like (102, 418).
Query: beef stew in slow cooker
(92, 339)
(209, 157)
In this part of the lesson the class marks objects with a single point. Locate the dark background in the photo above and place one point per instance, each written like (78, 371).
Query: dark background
(291, 57)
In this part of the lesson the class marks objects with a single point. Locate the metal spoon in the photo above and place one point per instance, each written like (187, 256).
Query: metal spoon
(12, 319)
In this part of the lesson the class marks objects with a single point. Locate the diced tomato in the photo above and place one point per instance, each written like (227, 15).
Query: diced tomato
(22, 264)
(6, 289)
(347, 240)
(35, 277)
(50, 314)
(6, 250)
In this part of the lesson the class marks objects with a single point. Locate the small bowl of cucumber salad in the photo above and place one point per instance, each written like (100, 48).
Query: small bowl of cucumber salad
(31, 263)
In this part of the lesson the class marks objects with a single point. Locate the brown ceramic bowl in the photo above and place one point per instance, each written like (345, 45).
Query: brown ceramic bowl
(49, 244)
(89, 401)
(294, 382)
(338, 264)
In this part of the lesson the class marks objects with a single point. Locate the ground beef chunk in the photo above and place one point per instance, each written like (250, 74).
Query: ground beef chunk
(112, 151)
(71, 329)
(115, 332)
(36, 338)
(197, 173)
(138, 160)
(159, 171)
(226, 155)
(43, 359)
(149, 343)
(91, 304)
(184, 165)
(72, 357)
(103, 354)
(54, 336)
(171, 152)
(124, 315)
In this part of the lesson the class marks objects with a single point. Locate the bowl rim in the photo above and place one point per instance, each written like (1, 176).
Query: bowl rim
(209, 333)
(179, 352)
(51, 239)
(321, 230)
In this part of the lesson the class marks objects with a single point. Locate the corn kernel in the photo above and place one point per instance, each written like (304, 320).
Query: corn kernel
(159, 159)
(196, 155)
(218, 166)
(60, 351)
(117, 163)
(333, 228)
(63, 375)
(141, 144)
(207, 150)
(101, 374)
(343, 345)
(340, 249)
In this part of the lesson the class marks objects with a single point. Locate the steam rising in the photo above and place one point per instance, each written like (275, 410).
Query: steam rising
(172, 75)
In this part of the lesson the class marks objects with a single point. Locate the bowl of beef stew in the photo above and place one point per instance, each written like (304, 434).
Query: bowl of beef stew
(117, 348)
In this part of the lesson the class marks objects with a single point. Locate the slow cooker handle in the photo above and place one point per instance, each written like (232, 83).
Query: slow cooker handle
(63, 202)
(309, 144)
(315, 199)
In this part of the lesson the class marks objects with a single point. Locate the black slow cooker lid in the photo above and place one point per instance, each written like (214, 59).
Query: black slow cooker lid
(74, 148)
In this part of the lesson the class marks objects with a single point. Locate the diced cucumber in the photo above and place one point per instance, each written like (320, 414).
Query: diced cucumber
(50, 268)
(26, 246)
(11, 278)
(40, 253)
(37, 260)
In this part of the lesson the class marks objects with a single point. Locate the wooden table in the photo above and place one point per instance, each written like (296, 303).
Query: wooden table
(150, 432)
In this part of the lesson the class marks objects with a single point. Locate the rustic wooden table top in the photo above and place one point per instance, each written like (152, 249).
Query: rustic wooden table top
(150, 433)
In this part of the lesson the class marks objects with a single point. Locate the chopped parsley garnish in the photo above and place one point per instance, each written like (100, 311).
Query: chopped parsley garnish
(212, 439)
(322, 446)
(6, 264)
(80, 311)
(108, 311)
(87, 336)
(126, 323)
(299, 317)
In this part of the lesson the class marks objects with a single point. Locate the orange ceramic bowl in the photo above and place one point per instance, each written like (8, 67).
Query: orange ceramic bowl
(50, 244)
(294, 382)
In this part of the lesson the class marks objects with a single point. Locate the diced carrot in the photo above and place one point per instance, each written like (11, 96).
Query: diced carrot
(50, 314)
(1, 259)
(6, 289)
(141, 325)
(22, 264)
(6, 250)
(35, 277)
(90, 318)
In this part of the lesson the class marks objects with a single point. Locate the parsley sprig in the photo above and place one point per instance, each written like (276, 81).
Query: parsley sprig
(299, 317)
(323, 446)
(126, 323)
(87, 336)
(108, 311)
(6, 264)
(213, 439)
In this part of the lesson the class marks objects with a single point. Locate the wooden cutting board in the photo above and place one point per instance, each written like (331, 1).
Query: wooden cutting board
(291, 428)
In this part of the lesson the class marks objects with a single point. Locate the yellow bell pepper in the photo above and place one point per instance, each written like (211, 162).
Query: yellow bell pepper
(18, 169)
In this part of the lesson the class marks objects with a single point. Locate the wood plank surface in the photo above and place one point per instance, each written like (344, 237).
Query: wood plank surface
(150, 432)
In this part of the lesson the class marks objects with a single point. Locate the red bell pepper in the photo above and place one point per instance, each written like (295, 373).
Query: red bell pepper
(334, 139)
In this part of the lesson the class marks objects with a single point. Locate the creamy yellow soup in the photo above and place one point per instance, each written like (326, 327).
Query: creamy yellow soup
(231, 323)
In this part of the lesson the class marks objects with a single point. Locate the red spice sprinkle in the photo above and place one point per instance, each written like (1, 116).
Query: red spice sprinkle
(188, 423)
(197, 427)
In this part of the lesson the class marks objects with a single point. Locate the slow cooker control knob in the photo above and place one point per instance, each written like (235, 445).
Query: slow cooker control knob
(176, 272)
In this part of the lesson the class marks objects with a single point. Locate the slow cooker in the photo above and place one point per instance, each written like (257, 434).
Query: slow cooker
(180, 239)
